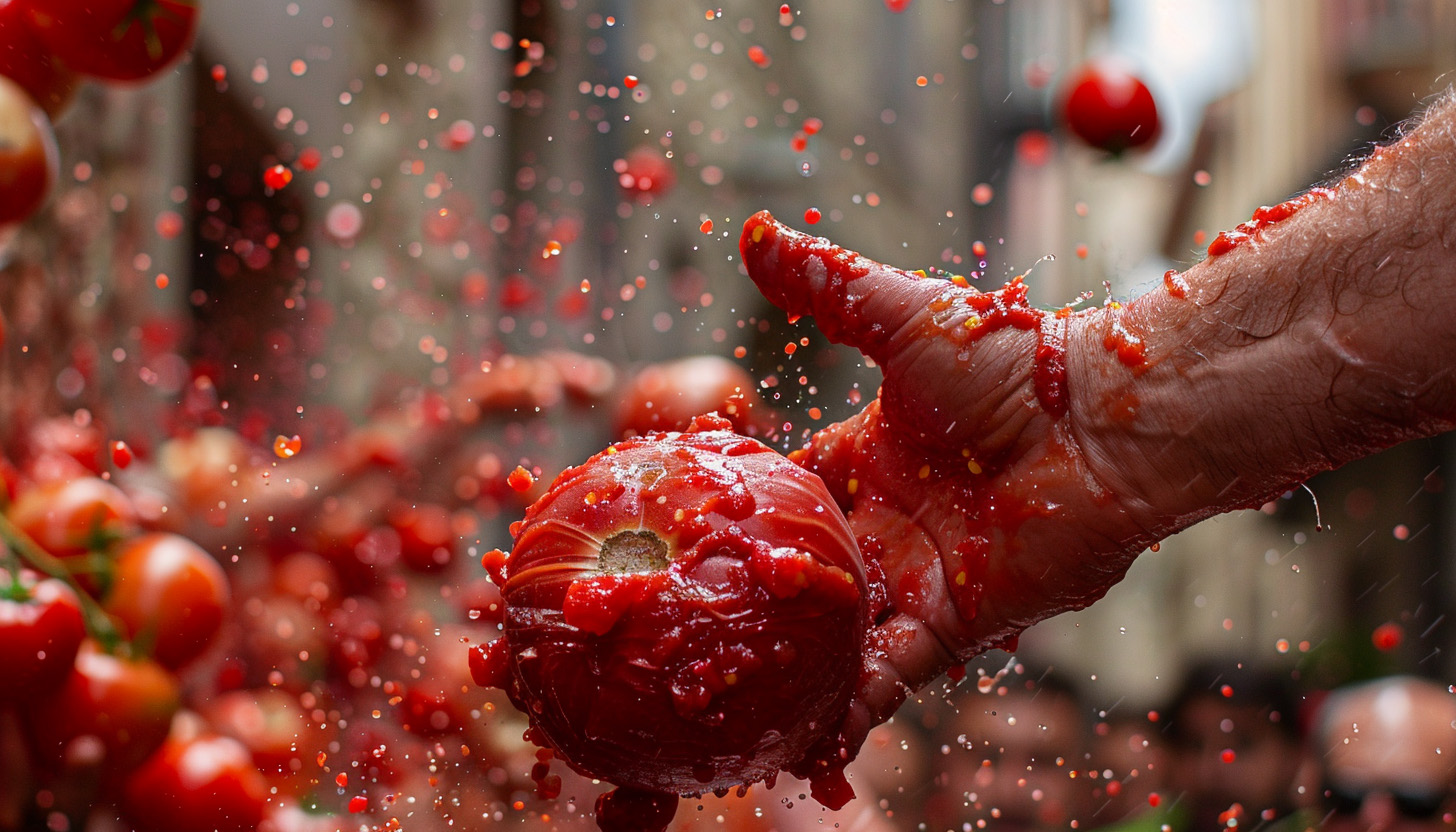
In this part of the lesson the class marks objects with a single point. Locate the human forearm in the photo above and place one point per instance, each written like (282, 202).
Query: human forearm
(1318, 339)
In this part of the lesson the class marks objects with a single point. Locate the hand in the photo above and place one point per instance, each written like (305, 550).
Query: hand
(975, 504)
(1017, 460)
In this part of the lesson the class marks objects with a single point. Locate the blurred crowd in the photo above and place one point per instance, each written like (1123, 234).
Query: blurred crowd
(1237, 747)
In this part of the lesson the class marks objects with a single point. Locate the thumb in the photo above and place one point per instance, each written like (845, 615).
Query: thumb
(853, 300)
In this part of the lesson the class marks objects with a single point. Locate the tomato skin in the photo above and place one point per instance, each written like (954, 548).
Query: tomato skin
(39, 636)
(201, 783)
(170, 594)
(1109, 107)
(110, 711)
(718, 648)
(115, 40)
(669, 394)
(27, 61)
(29, 159)
(73, 517)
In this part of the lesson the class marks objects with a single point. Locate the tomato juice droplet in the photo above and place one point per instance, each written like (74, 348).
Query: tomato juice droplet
(1227, 755)
(784, 9)
(277, 177)
(1387, 636)
(287, 447)
(759, 57)
(630, 82)
(121, 455)
(812, 216)
(358, 803)
(706, 227)
(342, 780)
(897, 6)
(309, 158)
(520, 479)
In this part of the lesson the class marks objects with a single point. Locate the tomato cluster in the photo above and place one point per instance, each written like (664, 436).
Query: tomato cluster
(189, 605)
(47, 47)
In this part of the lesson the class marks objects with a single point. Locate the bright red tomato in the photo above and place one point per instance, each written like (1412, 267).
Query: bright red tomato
(76, 516)
(27, 61)
(117, 40)
(170, 595)
(668, 395)
(110, 712)
(41, 629)
(28, 154)
(196, 782)
(684, 613)
(1109, 107)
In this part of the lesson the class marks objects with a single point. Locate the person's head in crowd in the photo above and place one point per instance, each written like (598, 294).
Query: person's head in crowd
(1389, 754)
(1011, 755)
(1236, 747)
(1128, 764)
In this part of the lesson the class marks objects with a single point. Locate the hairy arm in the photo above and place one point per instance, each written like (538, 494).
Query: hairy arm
(1320, 338)
(1016, 460)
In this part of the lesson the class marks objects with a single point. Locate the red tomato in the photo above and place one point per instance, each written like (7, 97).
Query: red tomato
(110, 712)
(170, 595)
(28, 154)
(426, 536)
(118, 40)
(684, 613)
(666, 396)
(27, 61)
(41, 628)
(74, 517)
(196, 782)
(1109, 107)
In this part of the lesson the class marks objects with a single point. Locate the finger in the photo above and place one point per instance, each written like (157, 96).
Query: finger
(853, 300)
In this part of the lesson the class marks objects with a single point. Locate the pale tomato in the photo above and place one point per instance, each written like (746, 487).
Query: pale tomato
(29, 159)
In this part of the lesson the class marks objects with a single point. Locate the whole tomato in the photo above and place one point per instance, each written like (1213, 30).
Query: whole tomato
(169, 594)
(41, 629)
(197, 781)
(110, 712)
(684, 613)
(28, 154)
(668, 395)
(1109, 107)
(116, 40)
(73, 517)
(29, 63)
